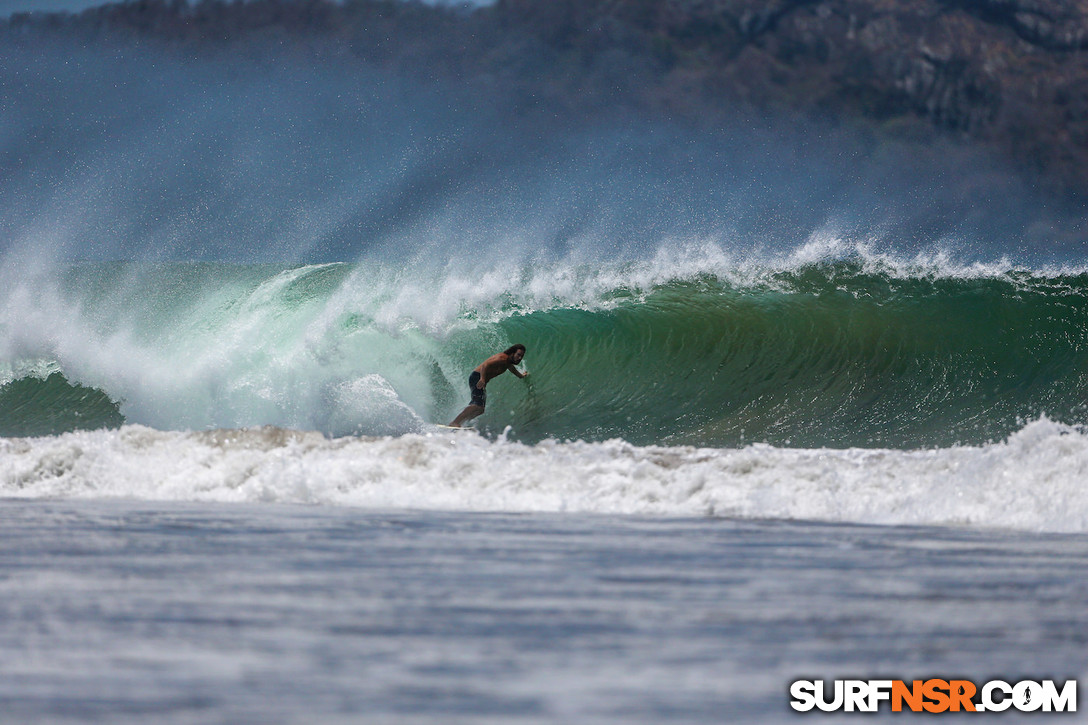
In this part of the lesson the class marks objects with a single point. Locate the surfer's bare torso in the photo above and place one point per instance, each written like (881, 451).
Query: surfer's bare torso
(497, 365)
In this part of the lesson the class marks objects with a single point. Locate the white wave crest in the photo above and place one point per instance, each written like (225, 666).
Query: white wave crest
(1032, 481)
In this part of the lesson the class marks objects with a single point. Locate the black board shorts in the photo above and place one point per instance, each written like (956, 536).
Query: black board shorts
(479, 397)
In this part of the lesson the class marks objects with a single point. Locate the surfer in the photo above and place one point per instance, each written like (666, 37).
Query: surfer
(493, 366)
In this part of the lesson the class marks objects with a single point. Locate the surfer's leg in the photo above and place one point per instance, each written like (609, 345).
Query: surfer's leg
(466, 415)
(476, 405)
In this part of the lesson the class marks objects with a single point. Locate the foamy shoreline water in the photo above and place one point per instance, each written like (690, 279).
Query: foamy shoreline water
(1032, 481)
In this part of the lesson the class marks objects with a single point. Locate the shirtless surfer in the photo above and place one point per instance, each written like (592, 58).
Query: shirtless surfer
(489, 368)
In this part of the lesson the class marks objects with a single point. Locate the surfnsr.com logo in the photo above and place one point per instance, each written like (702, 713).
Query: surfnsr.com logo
(933, 696)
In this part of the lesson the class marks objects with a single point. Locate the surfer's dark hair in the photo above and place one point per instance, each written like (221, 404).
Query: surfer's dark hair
(514, 348)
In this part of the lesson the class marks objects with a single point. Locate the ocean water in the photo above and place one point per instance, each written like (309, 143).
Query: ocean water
(849, 390)
(224, 498)
(132, 611)
(688, 348)
(801, 404)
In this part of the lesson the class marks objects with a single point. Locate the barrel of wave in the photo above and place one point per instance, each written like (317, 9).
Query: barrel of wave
(828, 360)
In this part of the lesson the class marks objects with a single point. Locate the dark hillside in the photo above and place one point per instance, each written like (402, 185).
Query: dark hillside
(1010, 75)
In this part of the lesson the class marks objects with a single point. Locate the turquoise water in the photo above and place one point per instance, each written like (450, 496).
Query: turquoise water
(839, 354)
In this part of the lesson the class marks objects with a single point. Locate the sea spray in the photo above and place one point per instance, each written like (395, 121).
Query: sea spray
(1032, 481)
(864, 350)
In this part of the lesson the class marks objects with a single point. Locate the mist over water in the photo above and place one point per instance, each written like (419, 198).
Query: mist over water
(141, 153)
(242, 239)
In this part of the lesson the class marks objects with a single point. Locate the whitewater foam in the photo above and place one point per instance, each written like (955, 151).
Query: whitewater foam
(1032, 481)
(438, 300)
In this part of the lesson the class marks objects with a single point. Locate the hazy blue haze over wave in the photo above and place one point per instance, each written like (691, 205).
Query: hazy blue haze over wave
(271, 159)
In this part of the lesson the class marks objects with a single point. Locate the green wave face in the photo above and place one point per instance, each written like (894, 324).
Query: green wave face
(832, 357)
(35, 407)
(824, 355)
